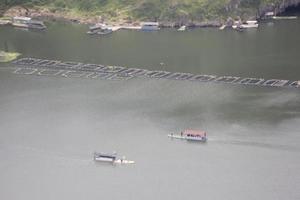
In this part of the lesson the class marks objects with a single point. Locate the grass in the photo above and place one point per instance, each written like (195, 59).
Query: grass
(153, 10)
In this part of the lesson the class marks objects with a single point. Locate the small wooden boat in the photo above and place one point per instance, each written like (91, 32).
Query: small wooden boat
(190, 135)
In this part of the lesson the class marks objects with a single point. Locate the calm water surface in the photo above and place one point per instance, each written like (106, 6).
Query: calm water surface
(50, 126)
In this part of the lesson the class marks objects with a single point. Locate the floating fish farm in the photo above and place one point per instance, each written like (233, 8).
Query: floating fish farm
(42, 67)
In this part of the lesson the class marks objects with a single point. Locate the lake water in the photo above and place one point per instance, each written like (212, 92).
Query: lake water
(50, 126)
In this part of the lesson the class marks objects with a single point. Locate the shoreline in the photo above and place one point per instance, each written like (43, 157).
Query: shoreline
(234, 12)
(69, 16)
(45, 14)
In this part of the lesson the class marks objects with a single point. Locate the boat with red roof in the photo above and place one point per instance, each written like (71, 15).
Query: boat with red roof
(190, 135)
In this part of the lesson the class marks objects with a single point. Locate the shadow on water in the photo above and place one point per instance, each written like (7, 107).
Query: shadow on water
(292, 10)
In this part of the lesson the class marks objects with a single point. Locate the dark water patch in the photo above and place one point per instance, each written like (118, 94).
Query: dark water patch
(293, 10)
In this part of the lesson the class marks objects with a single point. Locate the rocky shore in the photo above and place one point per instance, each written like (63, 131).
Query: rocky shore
(48, 14)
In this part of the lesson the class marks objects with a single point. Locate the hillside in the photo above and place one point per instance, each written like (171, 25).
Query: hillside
(156, 10)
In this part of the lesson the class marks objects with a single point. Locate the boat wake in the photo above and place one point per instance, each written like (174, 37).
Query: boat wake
(256, 144)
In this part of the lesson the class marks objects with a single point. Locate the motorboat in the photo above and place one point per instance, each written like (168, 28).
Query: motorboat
(190, 135)
(111, 158)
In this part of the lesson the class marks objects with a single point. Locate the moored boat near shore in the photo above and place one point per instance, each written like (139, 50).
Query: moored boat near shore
(34, 24)
(27, 22)
(104, 31)
(285, 17)
(250, 24)
(150, 26)
(100, 29)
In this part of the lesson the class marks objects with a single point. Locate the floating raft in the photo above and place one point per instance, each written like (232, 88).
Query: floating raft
(33, 66)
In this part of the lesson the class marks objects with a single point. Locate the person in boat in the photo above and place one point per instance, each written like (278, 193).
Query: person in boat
(122, 159)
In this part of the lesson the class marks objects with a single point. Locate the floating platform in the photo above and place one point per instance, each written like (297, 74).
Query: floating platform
(34, 66)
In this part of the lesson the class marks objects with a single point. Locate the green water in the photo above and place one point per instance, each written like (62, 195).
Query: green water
(50, 126)
(269, 52)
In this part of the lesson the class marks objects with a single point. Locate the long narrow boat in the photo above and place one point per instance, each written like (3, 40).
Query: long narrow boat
(285, 17)
(190, 135)
(111, 158)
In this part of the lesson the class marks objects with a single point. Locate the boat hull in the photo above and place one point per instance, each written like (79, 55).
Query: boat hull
(150, 28)
(249, 26)
(111, 158)
(196, 139)
(119, 161)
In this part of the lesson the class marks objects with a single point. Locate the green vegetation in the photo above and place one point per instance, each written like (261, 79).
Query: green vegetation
(8, 56)
(162, 10)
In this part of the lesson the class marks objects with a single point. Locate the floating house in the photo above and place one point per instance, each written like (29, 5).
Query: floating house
(21, 22)
(27, 22)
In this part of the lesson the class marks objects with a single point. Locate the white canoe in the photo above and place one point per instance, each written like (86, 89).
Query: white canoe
(285, 17)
